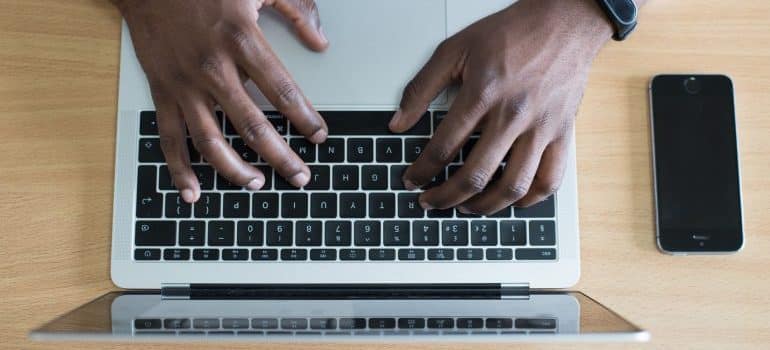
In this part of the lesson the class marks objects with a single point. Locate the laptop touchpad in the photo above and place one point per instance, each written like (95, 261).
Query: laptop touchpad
(375, 48)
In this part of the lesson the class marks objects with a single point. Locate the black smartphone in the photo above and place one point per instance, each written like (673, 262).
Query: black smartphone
(695, 163)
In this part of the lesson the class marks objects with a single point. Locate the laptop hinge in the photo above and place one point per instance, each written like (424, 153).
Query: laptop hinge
(201, 291)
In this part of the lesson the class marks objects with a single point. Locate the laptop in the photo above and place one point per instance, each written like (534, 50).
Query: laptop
(354, 232)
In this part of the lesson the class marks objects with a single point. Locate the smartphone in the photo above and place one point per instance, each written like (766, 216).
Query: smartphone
(695, 164)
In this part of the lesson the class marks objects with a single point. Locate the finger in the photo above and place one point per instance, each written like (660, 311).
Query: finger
(515, 182)
(262, 65)
(480, 166)
(425, 87)
(260, 135)
(466, 112)
(208, 140)
(303, 15)
(549, 175)
(173, 142)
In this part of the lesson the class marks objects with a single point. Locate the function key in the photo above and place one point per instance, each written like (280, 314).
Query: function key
(536, 323)
(148, 124)
(206, 323)
(294, 323)
(293, 254)
(147, 323)
(146, 254)
(176, 254)
(332, 151)
(323, 323)
(235, 254)
(352, 254)
(470, 254)
(206, 254)
(176, 323)
(352, 323)
(411, 323)
(441, 254)
(235, 323)
(264, 254)
(441, 323)
(382, 323)
(499, 253)
(389, 150)
(544, 209)
(382, 254)
(411, 254)
(499, 323)
(470, 323)
(264, 323)
(360, 150)
(323, 254)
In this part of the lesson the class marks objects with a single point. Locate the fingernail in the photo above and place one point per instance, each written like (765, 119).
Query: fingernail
(426, 206)
(188, 195)
(299, 180)
(464, 210)
(319, 136)
(409, 184)
(255, 184)
(323, 34)
(395, 120)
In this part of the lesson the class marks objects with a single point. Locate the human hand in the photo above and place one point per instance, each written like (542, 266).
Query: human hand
(522, 73)
(197, 54)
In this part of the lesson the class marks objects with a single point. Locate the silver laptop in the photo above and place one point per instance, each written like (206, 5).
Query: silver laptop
(331, 234)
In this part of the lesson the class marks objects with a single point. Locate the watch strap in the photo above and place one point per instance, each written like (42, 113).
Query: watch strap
(622, 14)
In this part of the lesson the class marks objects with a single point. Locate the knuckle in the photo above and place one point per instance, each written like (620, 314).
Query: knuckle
(547, 186)
(255, 131)
(512, 192)
(475, 182)
(168, 144)
(287, 93)
(288, 166)
(439, 154)
(239, 38)
(207, 143)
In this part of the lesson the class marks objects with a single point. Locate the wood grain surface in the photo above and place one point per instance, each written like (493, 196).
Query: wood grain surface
(58, 89)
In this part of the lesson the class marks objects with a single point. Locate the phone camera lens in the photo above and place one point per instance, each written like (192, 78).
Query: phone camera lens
(692, 85)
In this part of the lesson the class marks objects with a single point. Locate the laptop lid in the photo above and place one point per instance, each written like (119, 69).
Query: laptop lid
(537, 317)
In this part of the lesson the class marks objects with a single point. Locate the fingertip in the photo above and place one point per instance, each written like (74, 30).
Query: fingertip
(300, 179)
(395, 121)
(256, 183)
(189, 195)
(319, 136)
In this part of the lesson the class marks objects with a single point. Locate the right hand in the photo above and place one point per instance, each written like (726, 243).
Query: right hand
(197, 54)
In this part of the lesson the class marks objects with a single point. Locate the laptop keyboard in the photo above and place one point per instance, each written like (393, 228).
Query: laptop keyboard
(355, 207)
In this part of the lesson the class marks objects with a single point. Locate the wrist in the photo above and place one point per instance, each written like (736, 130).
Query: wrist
(591, 21)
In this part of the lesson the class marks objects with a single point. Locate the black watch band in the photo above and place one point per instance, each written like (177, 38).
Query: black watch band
(622, 14)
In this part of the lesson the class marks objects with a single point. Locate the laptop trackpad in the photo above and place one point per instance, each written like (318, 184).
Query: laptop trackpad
(376, 47)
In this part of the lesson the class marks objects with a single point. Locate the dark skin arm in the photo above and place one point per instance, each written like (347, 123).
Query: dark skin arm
(522, 72)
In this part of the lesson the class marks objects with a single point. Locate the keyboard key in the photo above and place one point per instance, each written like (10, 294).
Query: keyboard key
(264, 254)
(250, 233)
(352, 205)
(389, 150)
(294, 205)
(304, 149)
(148, 124)
(146, 254)
(293, 254)
(221, 233)
(235, 323)
(542, 232)
(468, 147)
(278, 121)
(425, 233)
(149, 203)
(155, 233)
(164, 179)
(544, 209)
(441, 254)
(382, 254)
(470, 254)
(323, 254)
(195, 157)
(411, 323)
(470, 323)
(176, 207)
(441, 213)
(323, 323)
(438, 117)
(308, 233)
(265, 205)
(146, 323)
(264, 323)
(454, 232)
(441, 323)
(382, 323)
(536, 323)
(352, 323)
(499, 323)
(177, 323)
(411, 254)
(396, 175)
(368, 123)
(337, 233)
(360, 150)
(149, 151)
(499, 253)
(367, 233)
(243, 150)
(323, 205)
(206, 323)
(205, 175)
(319, 178)
(282, 184)
(382, 205)
(235, 254)
(352, 254)
(236, 205)
(374, 177)
(206, 254)
(207, 206)
(503, 213)
(191, 233)
(437, 180)
(396, 233)
(332, 151)
(279, 233)
(409, 207)
(225, 184)
(345, 177)
(413, 147)
(294, 323)
(229, 127)
(484, 232)
(513, 232)
(176, 254)
(535, 254)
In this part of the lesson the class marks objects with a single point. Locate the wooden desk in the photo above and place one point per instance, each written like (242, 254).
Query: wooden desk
(58, 85)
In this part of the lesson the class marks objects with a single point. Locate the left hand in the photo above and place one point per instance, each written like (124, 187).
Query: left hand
(523, 71)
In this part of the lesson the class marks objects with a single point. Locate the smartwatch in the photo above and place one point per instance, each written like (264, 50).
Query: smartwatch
(622, 14)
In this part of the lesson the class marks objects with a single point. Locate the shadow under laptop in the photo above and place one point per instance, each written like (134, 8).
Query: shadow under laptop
(136, 316)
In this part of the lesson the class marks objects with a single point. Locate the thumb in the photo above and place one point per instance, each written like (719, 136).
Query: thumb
(303, 15)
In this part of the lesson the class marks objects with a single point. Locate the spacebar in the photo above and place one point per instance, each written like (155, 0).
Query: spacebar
(368, 123)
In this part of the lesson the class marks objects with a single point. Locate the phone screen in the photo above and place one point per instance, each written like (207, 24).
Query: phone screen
(696, 163)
